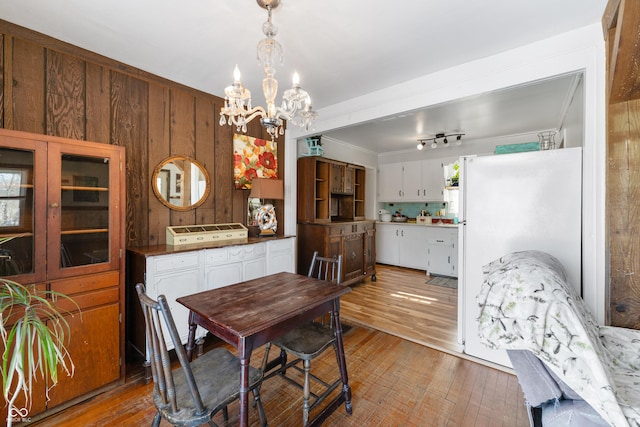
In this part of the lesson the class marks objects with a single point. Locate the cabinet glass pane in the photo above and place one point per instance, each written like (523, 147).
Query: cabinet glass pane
(84, 210)
(16, 212)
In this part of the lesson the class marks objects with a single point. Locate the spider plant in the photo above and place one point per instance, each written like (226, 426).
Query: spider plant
(33, 334)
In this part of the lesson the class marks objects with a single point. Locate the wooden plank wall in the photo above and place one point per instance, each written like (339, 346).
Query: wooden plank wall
(53, 88)
(621, 27)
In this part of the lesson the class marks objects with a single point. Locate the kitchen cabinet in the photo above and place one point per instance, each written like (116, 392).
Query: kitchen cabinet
(170, 271)
(433, 180)
(442, 246)
(411, 181)
(354, 240)
(390, 179)
(403, 245)
(329, 190)
(63, 200)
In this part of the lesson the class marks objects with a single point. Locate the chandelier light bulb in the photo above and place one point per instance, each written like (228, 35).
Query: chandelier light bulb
(296, 79)
(236, 74)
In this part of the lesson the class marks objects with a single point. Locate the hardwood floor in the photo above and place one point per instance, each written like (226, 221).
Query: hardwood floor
(402, 304)
(394, 381)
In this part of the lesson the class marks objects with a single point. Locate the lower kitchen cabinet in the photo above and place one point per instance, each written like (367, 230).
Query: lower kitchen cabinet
(403, 245)
(354, 240)
(442, 244)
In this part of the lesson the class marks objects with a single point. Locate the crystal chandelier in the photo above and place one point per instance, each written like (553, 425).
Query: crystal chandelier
(296, 102)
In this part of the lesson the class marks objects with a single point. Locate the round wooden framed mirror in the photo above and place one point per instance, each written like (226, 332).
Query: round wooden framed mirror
(181, 183)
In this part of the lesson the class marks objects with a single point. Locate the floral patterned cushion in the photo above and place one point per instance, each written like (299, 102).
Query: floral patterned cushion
(526, 304)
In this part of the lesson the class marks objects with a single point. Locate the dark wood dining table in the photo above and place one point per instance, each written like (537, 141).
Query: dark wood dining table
(252, 313)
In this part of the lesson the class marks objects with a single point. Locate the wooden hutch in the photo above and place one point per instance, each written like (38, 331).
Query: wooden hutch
(331, 218)
(63, 205)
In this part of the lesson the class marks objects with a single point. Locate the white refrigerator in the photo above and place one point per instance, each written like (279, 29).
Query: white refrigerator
(514, 202)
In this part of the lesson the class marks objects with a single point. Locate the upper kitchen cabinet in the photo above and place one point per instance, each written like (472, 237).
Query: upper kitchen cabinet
(411, 181)
(62, 206)
(433, 180)
(330, 190)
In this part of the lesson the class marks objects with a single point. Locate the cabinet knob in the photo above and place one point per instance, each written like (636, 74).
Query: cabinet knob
(54, 205)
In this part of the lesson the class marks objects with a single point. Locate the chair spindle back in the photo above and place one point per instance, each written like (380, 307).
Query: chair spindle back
(158, 353)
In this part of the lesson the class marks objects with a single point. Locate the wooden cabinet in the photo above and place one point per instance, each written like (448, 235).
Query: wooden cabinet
(411, 181)
(331, 217)
(329, 190)
(402, 245)
(342, 178)
(174, 272)
(64, 201)
(354, 240)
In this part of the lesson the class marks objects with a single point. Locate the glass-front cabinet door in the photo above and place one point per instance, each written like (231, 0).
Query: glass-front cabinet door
(82, 210)
(59, 215)
(22, 236)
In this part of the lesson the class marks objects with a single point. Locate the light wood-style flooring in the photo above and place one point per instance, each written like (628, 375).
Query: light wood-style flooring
(394, 381)
(401, 303)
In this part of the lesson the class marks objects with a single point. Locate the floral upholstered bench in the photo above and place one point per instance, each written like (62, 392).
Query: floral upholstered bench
(573, 371)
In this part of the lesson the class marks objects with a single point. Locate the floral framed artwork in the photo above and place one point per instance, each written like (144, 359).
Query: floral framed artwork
(253, 158)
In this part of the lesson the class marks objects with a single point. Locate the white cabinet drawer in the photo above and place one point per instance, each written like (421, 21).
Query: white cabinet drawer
(247, 252)
(166, 263)
(235, 254)
(216, 256)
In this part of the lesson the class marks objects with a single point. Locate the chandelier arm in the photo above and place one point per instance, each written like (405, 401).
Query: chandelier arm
(255, 112)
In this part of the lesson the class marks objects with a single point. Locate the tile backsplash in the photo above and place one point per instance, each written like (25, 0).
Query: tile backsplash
(413, 209)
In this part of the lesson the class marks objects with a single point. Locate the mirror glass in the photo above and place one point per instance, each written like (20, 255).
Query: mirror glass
(181, 183)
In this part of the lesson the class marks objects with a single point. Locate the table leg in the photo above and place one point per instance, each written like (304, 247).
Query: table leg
(191, 340)
(346, 389)
(244, 354)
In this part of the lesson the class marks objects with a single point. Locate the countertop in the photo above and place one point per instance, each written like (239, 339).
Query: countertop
(439, 225)
(169, 249)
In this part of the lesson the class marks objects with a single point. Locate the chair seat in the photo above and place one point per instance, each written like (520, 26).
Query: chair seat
(217, 374)
(307, 341)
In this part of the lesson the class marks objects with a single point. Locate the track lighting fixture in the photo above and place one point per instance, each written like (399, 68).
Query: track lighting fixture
(434, 141)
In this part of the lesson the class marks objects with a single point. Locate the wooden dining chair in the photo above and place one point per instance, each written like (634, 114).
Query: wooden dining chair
(309, 341)
(192, 393)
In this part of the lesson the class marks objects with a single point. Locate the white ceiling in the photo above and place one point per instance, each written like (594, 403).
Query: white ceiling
(341, 48)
